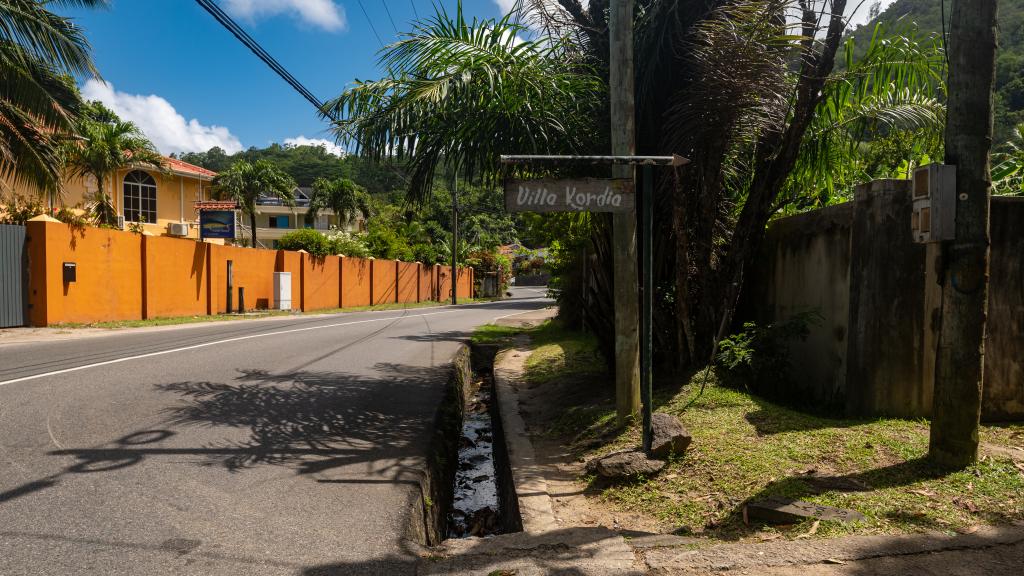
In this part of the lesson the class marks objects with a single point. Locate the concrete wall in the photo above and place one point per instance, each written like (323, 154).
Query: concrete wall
(408, 282)
(385, 277)
(355, 275)
(175, 277)
(806, 268)
(108, 284)
(320, 282)
(878, 294)
(1004, 344)
(125, 276)
(428, 278)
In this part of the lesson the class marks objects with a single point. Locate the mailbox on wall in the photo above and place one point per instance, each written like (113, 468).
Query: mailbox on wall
(934, 216)
(70, 272)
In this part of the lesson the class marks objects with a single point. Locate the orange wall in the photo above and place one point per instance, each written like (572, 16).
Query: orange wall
(465, 283)
(320, 282)
(444, 283)
(427, 277)
(384, 279)
(109, 274)
(253, 270)
(408, 281)
(123, 276)
(175, 280)
(355, 278)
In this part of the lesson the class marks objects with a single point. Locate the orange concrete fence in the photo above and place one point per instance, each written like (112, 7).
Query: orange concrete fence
(125, 276)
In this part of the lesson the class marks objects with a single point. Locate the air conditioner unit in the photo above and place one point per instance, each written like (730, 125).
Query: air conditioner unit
(120, 222)
(934, 197)
(177, 228)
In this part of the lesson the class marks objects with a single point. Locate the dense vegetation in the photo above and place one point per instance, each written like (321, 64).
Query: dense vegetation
(926, 15)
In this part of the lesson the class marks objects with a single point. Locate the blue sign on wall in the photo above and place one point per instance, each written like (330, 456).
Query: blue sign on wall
(217, 224)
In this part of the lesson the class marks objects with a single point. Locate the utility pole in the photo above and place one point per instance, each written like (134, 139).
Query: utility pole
(455, 238)
(623, 135)
(960, 358)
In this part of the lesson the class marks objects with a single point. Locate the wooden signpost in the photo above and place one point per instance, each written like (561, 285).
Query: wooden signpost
(580, 195)
(603, 195)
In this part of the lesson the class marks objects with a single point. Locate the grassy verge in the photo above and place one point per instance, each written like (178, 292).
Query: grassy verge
(747, 448)
(255, 315)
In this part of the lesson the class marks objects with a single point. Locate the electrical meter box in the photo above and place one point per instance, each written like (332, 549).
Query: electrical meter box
(934, 196)
(282, 290)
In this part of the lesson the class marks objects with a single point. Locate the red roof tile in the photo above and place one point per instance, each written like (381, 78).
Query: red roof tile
(186, 168)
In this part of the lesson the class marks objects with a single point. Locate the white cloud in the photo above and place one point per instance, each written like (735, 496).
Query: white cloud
(863, 13)
(162, 124)
(505, 5)
(330, 146)
(323, 13)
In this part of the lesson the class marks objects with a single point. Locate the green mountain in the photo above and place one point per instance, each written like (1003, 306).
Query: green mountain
(926, 16)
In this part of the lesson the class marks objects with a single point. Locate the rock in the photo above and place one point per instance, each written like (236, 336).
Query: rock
(777, 510)
(670, 437)
(624, 464)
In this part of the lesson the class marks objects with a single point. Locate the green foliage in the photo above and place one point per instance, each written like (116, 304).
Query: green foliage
(926, 16)
(761, 353)
(1008, 165)
(17, 208)
(40, 53)
(345, 244)
(245, 183)
(306, 239)
(342, 196)
(107, 144)
(458, 93)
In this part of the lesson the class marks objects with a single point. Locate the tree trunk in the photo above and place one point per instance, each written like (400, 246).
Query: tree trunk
(252, 223)
(960, 358)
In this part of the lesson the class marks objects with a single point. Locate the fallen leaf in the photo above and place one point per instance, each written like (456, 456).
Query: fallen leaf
(924, 492)
(811, 532)
(969, 530)
(970, 486)
(769, 537)
(965, 504)
(1019, 466)
(833, 561)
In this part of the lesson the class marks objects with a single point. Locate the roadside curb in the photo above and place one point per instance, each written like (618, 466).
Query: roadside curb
(530, 486)
(744, 557)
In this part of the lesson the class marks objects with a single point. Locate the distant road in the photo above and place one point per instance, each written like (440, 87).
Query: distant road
(280, 446)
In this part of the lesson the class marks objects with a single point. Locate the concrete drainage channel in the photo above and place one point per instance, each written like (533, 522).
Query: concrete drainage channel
(467, 489)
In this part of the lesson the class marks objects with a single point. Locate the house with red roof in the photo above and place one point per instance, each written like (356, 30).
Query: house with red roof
(163, 201)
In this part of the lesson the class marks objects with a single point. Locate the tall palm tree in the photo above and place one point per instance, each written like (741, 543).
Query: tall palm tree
(459, 93)
(107, 144)
(340, 195)
(39, 105)
(245, 182)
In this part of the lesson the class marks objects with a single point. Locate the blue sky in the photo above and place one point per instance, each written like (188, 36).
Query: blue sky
(172, 69)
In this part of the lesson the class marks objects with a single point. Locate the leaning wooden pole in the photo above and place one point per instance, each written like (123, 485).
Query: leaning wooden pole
(960, 358)
(623, 136)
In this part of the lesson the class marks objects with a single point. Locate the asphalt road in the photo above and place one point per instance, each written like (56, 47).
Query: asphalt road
(279, 446)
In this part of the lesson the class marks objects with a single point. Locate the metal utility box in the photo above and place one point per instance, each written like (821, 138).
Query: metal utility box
(934, 195)
(282, 290)
(70, 272)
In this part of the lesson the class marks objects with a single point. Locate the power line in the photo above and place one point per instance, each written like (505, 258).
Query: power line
(385, 4)
(370, 22)
(262, 54)
(414, 11)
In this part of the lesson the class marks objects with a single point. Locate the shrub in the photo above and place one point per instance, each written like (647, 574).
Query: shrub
(306, 239)
(347, 244)
(759, 355)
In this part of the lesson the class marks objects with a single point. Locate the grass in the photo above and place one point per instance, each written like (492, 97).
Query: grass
(173, 320)
(747, 448)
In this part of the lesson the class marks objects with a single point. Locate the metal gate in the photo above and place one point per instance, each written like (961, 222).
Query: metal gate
(12, 275)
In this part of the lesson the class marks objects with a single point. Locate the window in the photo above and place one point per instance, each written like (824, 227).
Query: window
(279, 222)
(139, 197)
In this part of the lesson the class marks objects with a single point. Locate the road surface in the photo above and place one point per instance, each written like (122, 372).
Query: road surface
(279, 446)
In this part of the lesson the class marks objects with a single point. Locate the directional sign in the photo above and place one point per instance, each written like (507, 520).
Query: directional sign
(580, 195)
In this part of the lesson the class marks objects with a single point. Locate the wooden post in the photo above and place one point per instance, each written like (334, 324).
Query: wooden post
(623, 134)
(960, 358)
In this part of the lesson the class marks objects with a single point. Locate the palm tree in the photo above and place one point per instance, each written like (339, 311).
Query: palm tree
(107, 145)
(1008, 171)
(245, 182)
(39, 104)
(341, 195)
(459, 93)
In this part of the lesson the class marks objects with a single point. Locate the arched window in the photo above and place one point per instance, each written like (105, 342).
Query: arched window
(139, 197)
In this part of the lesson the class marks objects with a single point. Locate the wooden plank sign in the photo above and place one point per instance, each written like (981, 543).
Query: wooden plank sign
(579, 195)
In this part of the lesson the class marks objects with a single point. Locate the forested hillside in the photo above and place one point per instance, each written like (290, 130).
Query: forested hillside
(926, 15)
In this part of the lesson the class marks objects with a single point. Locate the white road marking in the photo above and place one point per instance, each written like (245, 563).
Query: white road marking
(228, 340)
